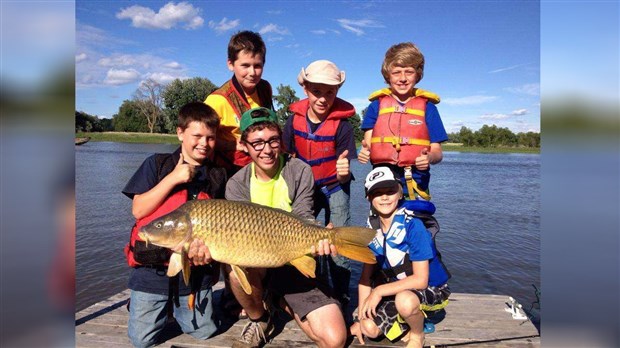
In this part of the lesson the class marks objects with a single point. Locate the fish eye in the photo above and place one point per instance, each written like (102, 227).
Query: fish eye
(158, 225)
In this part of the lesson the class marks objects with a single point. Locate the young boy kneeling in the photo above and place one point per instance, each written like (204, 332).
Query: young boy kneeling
(409, 277)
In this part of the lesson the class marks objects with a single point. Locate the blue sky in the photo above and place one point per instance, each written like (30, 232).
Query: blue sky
(482, 57)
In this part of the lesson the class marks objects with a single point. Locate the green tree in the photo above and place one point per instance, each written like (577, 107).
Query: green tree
(285, 97)
(466, 136)
(130, 118)
(179, 93)
(356, 123)
(87, 123)
(149, 102)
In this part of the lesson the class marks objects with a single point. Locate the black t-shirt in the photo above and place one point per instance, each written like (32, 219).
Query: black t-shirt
(155, 280)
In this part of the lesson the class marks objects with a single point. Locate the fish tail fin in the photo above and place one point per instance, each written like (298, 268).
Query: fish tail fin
(352, 242)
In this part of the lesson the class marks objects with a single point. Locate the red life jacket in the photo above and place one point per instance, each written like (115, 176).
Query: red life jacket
(136, 251)
(318, 149)
(233, 92)
(400, 133)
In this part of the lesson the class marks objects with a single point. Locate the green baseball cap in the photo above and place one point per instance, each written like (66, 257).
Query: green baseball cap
(256, 115)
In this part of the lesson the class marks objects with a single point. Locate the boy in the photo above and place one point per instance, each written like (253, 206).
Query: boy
(409, 277)
(279, 181)
(402, 128)
(245, 90)
(161, 184)
(319, 134)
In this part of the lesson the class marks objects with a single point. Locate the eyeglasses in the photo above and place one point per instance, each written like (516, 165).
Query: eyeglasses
(259, 145)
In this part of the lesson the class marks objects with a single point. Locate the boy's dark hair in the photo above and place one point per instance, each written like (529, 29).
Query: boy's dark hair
(199, 112)
(260, 126)
(404, 54)
(248, 41)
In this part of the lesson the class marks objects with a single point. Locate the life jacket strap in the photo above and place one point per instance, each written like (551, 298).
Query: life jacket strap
(400, 140)
(412, 186)
(401, 110)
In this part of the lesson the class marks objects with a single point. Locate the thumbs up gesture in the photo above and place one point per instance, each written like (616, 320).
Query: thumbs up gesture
(183, 172)
(423, 161)
(364, 155)
(342, 167)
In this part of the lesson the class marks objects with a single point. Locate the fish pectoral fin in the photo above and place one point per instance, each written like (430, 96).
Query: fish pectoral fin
(243, 279)
(306, 265)
(179, 262)
(174, 265)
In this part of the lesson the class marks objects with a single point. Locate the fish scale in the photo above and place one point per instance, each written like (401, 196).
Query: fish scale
(270, 237)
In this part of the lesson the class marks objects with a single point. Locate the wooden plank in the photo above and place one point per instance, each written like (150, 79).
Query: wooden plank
(477, 320)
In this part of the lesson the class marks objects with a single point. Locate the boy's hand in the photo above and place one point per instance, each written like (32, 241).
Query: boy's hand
(356, 330)
(342, 165)
(199, 253)
(183, 172)
(369, 308)
(423, 161)
(364, 155)
(324, 248)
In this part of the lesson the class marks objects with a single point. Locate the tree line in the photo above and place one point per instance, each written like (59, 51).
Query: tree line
(154, 107)
(493, 136)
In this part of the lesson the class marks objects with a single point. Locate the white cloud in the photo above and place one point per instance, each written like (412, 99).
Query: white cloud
(164, 78)
(529, 89)
(275, 12)
(116, 61)
(273, 28)
(494, 117)
(167, 17)
(319, 32)
(470, 100)
(355, 26)
(224, 25)
(505, 69)
(172, 65)
(80, 57)
(519, 112)
(121, 77)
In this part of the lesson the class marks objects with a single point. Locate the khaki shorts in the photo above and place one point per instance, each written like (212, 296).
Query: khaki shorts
(301, 293)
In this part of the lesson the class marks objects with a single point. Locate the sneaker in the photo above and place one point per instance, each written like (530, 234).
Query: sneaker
(254, 334)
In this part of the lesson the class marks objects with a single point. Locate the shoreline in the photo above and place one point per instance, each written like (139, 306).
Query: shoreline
(158, 138)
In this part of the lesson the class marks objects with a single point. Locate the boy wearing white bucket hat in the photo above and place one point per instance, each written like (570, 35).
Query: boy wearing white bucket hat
(320, 134)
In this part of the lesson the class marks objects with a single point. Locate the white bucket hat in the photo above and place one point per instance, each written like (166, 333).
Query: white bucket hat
(321, 71)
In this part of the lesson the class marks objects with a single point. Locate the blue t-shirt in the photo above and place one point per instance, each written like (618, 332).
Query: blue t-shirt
(155, 280)
(408, 236)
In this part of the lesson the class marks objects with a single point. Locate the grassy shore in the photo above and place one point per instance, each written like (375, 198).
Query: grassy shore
(126, 137)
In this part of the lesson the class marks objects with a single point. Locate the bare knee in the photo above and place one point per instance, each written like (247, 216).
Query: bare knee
(369, 328)
(331, 338)
(407, 303)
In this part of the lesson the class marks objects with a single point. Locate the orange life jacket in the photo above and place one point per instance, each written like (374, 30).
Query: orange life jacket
(236, 98)
(400, 133)
(318, 149)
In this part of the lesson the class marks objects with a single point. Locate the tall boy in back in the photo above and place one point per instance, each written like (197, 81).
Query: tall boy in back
(402, 127)
(245, 90)
(409, 277)
(161, 184)
(319, 134)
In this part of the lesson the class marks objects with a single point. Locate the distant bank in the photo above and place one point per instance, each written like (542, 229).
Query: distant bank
(156, 138)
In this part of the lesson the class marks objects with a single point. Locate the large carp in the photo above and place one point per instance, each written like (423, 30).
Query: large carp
(244, 234)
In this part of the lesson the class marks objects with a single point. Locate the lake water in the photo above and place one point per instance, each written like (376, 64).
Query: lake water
(487, 205)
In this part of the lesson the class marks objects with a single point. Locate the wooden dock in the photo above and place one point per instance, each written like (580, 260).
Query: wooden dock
(470, 320)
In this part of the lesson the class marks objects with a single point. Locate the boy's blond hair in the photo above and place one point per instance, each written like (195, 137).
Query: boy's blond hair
(404, 54)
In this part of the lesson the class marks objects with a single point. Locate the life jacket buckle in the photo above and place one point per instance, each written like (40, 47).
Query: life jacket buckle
(401, 109)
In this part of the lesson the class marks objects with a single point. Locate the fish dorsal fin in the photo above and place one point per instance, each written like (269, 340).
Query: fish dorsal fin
(306, 265)
(243, 279)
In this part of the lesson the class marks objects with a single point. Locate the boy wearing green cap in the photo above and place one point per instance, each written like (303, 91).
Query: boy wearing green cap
(279, 181)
